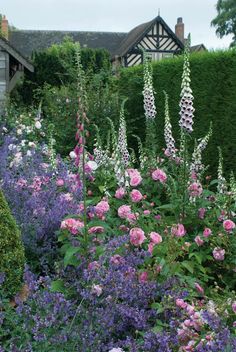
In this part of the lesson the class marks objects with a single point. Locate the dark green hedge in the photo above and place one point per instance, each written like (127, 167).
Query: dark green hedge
(213, 76)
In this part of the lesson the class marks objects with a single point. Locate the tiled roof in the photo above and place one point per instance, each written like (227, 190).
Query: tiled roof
(27, 41)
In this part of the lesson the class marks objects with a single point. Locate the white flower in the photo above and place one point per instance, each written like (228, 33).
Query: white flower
(92, 165)
(29, 153)
(19, 132)
(32, 144)
(11, 147)
(38, 125)
(117, 350)
(5, 129)
(72, 155)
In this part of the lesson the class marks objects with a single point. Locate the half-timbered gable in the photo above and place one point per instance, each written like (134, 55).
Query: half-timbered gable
(155, 37)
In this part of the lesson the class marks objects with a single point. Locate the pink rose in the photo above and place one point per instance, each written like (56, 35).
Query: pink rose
(96, 229)
(93, 265)
(178, 230)
(60, 182)
(135, 180)
(131, 217)
(198, 241)
(207, 232)
(124, 211)
(219, 253)
(136, 196)
(117, 259)
(72, 225)
(146, 212)
(180, 303)
(234, 306)
(155, 237)
(151, 245)
(229, 225)
(195, 189)
(199, 288)
(201, 213)
(159, 175)
(102, 207)
(120, 193)
(143, 277)
(137, 236)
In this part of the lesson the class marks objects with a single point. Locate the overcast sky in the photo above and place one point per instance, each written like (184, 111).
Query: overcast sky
(115, 15)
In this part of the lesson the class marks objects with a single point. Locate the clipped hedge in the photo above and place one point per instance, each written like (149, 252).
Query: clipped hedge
(213, 76)
(12, 257)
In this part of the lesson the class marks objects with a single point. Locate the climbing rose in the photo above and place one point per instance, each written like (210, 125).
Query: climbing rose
(228, 225)
(159, 175)
(219, 253)
(137, 236)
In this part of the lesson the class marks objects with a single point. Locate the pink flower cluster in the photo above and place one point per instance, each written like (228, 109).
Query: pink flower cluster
(159, 175)
(72, 225)
(102, 208)
(195, 189)
(178, 230)
(155, 239)
(137, 236)
(135, 177)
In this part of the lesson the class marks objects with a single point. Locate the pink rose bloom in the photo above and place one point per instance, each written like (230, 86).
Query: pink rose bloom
(151, 245)
(60, 182)
(178, 230)
(201, 213)
(124, 211)
(120, 193)
(117, 259)
(219, 253)
(96, 229)
(180, 303)
(146, 212)
(131, 217)
(207, 232)
(199, 288)
(157, 217)
(159, 175)
(155, 237)
(137, 236)
(198, 241)
(93, 265)
(234, 306)
(229, 225)
(195, 189)
(135, 180)
(72, 225)
(136, 196)
(102, 207)
(143, 277)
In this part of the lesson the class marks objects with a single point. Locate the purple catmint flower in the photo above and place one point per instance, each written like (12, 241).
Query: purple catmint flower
(186, 102)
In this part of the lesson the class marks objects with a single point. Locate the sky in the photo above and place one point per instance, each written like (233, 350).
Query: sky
(115, 15)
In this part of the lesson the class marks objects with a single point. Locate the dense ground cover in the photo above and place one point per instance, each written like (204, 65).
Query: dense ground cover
(122, 254)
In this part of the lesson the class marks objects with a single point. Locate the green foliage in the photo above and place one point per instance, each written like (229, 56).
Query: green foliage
(225, 21)
(11, 250)
(56, 66)
(214, 89)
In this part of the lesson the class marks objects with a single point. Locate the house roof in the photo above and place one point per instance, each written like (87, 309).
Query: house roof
(137, 33)
(6, 45)
(27, 41)
(199, 47)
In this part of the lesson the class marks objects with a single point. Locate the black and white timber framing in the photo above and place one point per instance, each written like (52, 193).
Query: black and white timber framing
(155, 37)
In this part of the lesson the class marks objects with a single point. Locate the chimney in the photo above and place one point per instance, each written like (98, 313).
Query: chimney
(179, 29)
(4, 29)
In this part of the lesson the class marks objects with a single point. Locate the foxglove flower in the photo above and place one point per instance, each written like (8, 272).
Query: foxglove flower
(148, 92)
(186, 102)
(222, 186)
(169, 139)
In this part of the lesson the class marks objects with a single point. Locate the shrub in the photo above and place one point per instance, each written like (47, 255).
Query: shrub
(11, 250)
(214, 89)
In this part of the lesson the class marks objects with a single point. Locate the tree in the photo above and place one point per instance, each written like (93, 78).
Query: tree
(225, 21)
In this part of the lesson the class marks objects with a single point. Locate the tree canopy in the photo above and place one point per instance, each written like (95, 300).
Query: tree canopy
(225, 21)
